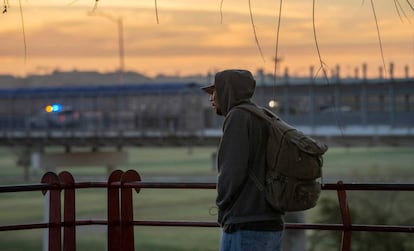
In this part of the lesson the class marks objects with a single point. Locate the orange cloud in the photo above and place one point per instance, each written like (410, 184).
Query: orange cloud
(190, 38)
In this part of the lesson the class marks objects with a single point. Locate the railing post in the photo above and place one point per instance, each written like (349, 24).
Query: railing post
(346, 218)
(69, 228)
(54, 241)
(114, 229)
(127, 210)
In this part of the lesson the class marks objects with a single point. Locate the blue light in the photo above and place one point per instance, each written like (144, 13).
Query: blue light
(56, 107)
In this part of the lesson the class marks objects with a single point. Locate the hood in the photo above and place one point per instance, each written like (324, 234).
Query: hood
(233, 87)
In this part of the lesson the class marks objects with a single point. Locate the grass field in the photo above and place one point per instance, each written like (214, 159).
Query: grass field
(350, 165)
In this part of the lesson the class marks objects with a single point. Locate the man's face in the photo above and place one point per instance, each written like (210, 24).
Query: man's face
(214, 102)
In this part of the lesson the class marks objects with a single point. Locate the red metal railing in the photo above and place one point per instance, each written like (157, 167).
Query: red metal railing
(120, 218)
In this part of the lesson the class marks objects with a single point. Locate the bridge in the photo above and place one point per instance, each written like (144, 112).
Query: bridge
(381, 135)
(343, 112)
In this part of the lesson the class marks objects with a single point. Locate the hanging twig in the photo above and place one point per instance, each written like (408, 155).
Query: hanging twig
(399, 7)
(254, 31)
(412, 7)
(321, 63)
(23, 31)
(277, 49)
(6, 6)
(322, 66)
(95, 6)
(71, 3)
(221, 11)
(379, 35)
(156, 12)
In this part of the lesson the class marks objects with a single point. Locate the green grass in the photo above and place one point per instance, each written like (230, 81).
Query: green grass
(172, 161)
(187, 239)
(353, 164)
(370, 164)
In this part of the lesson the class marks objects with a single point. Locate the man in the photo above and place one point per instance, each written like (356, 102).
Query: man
(248, 222)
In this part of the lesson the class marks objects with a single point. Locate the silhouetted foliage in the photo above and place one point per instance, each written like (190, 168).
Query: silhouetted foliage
(380, 208)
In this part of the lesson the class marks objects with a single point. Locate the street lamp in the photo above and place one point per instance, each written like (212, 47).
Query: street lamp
(120, 25)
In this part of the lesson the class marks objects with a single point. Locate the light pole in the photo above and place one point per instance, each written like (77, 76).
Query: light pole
(277, 61)
(120, 26)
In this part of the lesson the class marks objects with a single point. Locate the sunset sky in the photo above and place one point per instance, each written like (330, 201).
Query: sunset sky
(190, 37)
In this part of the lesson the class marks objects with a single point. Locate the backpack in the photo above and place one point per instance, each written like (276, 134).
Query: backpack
(294, 163)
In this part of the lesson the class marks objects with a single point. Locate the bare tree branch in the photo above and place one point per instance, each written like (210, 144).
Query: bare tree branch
(254, 31)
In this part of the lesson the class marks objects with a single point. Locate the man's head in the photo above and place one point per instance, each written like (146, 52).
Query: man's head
(211, 90)
(230, 88)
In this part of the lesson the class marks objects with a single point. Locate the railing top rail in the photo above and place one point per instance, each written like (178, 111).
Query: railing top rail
(369, 186)
(171, 223)
(25, 188)
(194, 185)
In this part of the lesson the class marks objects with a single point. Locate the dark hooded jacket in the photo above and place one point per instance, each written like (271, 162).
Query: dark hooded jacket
(242, 147)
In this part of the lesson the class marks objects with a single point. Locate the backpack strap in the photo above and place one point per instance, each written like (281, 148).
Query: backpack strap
(266, 115)
(260, 112)
(256, 180)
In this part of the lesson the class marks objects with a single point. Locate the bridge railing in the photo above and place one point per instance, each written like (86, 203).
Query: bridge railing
(120, 220)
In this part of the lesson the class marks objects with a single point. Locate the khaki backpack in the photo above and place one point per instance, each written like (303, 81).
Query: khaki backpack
(294, 164)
